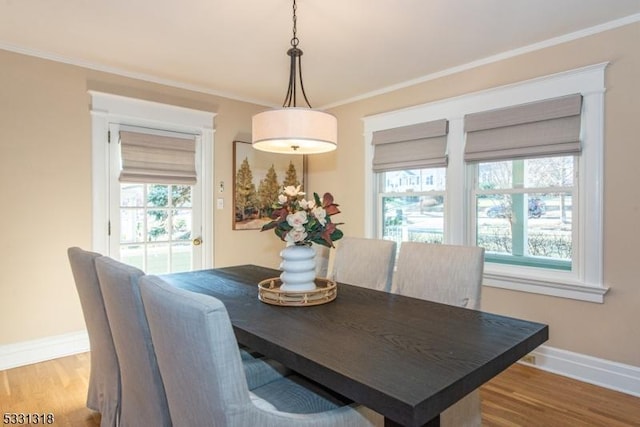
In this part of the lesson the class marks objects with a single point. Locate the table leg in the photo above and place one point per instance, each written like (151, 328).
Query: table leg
(435, 422)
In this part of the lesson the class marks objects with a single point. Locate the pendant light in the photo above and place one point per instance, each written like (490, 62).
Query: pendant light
(292, 129)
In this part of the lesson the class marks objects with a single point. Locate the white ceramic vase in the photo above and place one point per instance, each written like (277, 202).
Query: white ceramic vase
(298, 268)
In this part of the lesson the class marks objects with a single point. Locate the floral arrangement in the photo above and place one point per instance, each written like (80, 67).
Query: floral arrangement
(301, 222)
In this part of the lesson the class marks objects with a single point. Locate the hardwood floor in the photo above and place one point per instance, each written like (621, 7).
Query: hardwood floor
(520, 396)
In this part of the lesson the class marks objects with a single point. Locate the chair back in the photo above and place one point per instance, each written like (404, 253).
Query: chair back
(364, 262)
(197, 354)
(322, 259)
(143, 400)
(104, 377)
(448, 274)
(202, 370)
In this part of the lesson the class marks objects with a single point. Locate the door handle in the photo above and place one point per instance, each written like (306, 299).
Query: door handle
(197, 241)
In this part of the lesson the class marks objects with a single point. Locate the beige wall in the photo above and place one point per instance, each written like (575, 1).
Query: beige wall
(608, 330)
(46, 186)
(45, 171)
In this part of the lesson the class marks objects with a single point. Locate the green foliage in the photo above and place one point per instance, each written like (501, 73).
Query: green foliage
(158, 196)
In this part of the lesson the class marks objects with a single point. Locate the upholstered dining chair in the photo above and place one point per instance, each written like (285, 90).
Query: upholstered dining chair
(202, 370)
(322, 259)
(364, 262)
(447, 274)
(143, 400)
(104, 377)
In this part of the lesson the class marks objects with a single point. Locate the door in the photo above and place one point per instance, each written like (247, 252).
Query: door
(155, 226)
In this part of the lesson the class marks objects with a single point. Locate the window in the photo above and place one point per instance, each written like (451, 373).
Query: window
(523, 211)
(156, 227)
(412, 205)
(513, 182)
(411, 201)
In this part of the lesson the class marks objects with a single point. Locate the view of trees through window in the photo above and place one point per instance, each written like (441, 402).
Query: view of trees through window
(523, 208)
(524, 211)
(155, 220)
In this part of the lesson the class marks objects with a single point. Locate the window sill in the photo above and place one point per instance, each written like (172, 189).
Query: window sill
(576, 291)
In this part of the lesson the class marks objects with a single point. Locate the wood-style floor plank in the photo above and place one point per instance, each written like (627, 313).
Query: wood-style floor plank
(521, 396)
(526, 396)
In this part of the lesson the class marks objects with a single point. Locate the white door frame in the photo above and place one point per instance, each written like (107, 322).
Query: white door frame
(108, 108)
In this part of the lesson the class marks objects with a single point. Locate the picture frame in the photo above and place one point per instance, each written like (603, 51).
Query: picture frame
(258, 178)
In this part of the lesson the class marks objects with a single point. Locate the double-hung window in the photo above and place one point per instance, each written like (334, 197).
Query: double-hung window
(410, 163)
(521, 177)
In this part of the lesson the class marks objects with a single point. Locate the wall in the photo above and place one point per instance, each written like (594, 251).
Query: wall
(606, 330)
(45, 183)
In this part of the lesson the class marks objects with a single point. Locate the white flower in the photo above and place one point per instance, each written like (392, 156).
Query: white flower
(282, 199)
(292, 191)
(294, 236)
(320, 214)
(296, 220)
(307, 204)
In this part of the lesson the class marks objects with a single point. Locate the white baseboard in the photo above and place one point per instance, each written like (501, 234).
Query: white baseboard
(28, 352)
(601, 372)
(589, 369)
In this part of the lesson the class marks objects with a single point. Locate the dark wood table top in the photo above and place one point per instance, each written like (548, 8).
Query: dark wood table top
(406, 358)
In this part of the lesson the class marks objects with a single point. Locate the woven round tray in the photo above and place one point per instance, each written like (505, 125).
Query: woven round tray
(269, 291)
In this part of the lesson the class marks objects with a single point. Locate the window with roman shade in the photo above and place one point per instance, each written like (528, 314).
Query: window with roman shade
(542, 128)
(152, 158)
(422, 145)
(523, 179)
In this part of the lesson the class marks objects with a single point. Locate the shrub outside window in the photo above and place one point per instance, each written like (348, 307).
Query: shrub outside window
(524, 211)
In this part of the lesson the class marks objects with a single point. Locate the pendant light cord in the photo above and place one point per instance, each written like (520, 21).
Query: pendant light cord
(295, 69)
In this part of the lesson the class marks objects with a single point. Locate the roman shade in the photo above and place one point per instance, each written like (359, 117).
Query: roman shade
(543, 128)
(411, 147)
(158, 159)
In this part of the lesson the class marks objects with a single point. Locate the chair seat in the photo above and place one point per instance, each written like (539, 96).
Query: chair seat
(261, 371)
(296, 395)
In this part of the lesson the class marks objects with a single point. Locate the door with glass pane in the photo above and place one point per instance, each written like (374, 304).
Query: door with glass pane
(154, 226)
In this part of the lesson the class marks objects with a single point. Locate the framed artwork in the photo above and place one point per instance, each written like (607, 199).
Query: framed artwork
(258, 179)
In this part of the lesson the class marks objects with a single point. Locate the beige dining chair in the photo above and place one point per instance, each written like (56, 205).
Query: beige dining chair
(447, 274)
(364, 262)
(323, 254)
(202, 370)
(103, 394)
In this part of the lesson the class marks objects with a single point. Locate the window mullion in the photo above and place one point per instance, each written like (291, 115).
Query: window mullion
(455, 231)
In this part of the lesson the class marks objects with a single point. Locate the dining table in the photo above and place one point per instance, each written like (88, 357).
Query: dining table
(406, 358)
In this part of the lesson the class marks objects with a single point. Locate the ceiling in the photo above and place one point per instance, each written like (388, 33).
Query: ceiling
(352, 48)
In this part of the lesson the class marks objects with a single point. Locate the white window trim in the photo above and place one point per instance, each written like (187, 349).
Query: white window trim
(108, 108)
(589, 81)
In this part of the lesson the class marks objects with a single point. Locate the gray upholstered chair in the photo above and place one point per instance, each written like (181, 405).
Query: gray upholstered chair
(203, 375)
(364, 262)
(104, 377)
(143, 401)
(447, 274)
